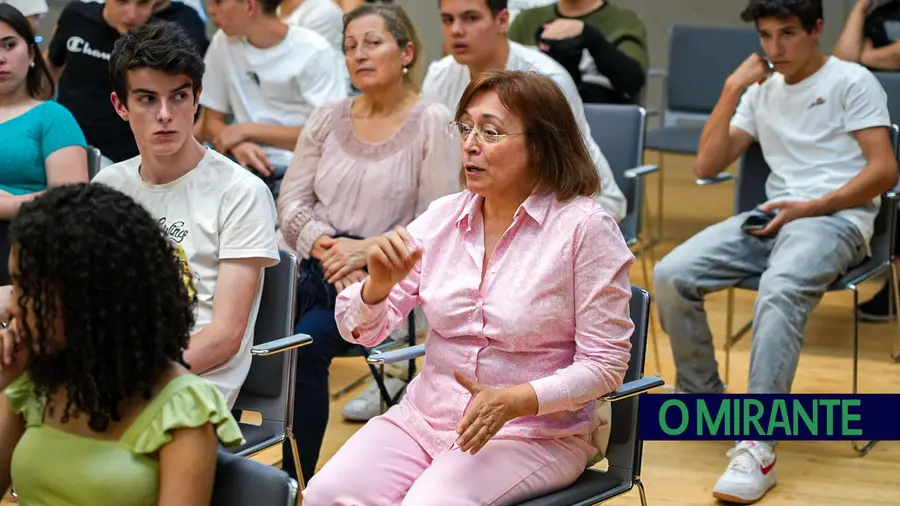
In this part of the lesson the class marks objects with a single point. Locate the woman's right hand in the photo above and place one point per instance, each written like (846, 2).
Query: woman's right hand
(389, 260)
(15, 354)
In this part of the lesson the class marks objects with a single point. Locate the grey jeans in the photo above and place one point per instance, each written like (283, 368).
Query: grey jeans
(796, 266)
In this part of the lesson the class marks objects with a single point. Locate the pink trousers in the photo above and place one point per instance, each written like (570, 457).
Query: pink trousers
(384, 465)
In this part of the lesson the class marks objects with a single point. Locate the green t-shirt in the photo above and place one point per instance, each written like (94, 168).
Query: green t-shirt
(51, 467)
(621, 27)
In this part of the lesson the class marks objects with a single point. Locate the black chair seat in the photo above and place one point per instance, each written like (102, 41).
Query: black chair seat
(593, 485)
(853, 276)
(243, 482)
(681, 139)
(253, 435)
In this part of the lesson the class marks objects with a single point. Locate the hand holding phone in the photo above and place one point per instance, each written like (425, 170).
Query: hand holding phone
(757, 220)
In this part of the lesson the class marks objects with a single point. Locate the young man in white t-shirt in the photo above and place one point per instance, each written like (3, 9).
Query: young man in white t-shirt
(220, 216)
(270, 77)
(823, 127)
(475, 34)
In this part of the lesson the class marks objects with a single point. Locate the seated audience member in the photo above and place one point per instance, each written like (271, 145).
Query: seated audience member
(363, 166)
(601, 45)
(271, 77)
(78, 57)
(324, 17)
(872, 38)
(220, 217)
(42, 144)
(98, 406)
(177, 11)
(183, 14)
(34, 10)
(524, 279)
(475, 33)
(822, 124)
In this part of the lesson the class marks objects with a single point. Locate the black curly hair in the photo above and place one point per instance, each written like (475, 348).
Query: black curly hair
(95, 265)
(808, 12)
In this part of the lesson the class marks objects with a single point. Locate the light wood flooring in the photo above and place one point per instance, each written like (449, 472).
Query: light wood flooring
(683, 473)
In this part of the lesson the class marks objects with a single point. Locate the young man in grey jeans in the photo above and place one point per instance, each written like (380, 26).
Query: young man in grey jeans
(823, 127)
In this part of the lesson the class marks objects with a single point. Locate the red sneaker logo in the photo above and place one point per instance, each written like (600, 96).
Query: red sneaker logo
(767, 469)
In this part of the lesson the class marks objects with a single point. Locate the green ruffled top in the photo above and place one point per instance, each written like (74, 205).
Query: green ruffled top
(51, 467)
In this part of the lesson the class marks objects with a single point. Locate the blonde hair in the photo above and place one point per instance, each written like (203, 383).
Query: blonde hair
(402, 29)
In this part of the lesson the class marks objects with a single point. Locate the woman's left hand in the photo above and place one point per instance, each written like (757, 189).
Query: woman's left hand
(343, 257)
(489, 411)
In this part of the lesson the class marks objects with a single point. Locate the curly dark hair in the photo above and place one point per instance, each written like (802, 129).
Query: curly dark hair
(94, 265)
(808, 12)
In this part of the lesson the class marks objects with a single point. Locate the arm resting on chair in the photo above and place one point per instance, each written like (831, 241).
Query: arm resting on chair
(279, 345)
(394, 356)
(633, 388)
(719, 178)
(641, 171)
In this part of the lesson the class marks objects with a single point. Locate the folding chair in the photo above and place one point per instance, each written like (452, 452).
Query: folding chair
(269, 387)
(749, 192)
(94, 160)
(700, 59)
(619, 131)
(625, 448)
(243, 482)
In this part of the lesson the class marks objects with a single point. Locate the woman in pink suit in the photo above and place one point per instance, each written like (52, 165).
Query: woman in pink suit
(524, 280)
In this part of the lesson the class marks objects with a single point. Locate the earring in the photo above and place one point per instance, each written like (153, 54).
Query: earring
(405, 70)
(31, 64)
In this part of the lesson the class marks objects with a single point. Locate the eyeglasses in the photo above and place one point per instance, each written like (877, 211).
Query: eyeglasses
(488, 136)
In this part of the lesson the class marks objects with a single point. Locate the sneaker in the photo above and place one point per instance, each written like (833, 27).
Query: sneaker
(750, 474)
(877, 308)
(367, 405)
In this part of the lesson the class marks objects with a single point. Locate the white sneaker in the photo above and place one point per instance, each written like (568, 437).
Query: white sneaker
(367, 405)
(750, 474)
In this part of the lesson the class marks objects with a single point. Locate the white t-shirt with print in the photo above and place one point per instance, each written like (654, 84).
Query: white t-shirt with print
(446, 81)
(217, 211)
(805, 131)
(281, 85)
(324, 17)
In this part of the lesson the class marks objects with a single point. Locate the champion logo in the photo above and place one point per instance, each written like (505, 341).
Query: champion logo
(767, 469)
(819, 101)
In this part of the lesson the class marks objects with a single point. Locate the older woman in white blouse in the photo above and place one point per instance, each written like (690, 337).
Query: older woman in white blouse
(362, 167)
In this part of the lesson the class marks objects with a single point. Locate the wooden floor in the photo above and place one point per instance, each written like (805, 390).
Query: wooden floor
(683, 473)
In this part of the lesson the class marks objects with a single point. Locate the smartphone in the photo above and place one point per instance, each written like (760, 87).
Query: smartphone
(757, 220)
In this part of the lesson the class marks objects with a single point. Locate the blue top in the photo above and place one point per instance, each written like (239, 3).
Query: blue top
(28, 139)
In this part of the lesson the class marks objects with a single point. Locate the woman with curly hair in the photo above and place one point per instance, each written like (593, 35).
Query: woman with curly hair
(99, 406)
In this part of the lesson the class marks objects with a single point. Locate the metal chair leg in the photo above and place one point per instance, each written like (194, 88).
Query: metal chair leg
(865, 449)
(653, 340)
(296, 455)
(640, 486)
(895, 349)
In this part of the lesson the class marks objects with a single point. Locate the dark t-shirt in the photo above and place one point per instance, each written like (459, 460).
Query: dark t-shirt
(187, 17)
(883, 24)
(83, 42)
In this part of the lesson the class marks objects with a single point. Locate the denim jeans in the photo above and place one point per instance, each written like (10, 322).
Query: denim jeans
(796, 266)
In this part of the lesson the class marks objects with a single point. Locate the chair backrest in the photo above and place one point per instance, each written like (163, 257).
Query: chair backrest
(700, 59)
(619, 132)
(243, 482)
(265, 389)
(625, 448)
(94, 161)
(890, 81)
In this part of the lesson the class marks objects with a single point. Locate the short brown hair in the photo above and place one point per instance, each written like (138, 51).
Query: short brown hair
(557, 155)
